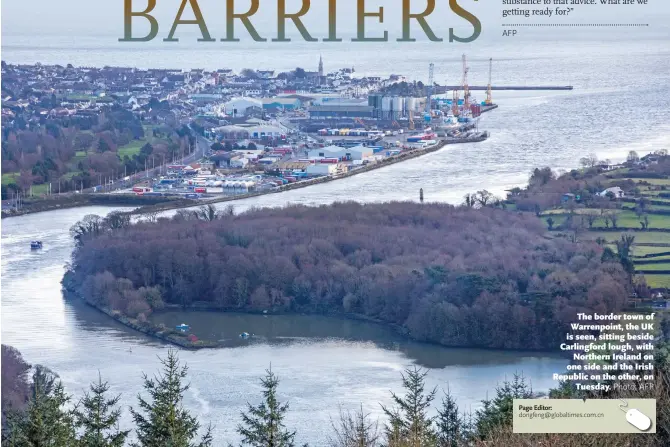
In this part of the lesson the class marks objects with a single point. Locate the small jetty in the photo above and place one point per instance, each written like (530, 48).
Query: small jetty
(476, 138)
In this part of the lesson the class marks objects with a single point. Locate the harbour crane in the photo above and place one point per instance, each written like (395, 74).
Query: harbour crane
(466, 88)
(431, 69)
(454, 103)
(361, 123)
(489, 96)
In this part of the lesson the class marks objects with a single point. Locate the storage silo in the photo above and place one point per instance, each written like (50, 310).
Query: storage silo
(397, 106)
(376, 102)
(387, 103)
(411, 104)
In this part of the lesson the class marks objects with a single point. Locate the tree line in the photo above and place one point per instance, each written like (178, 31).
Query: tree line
(45, 416)
(546, 188)
(451, 275)
(50, 150)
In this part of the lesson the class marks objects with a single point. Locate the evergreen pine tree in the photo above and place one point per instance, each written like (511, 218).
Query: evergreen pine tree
(99, 418)
(263, 425)
(45, 422)
(162, 421)
(103, 146)
(498, 412)
(449, 423)
(409, 424)
(565, 390)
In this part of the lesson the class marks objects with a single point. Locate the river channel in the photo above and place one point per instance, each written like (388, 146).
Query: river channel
(323, 363)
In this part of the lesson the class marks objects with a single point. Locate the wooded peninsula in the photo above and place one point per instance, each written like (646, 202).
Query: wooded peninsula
(456, 276)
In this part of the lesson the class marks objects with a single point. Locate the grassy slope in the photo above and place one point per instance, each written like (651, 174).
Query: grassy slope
(629, 220)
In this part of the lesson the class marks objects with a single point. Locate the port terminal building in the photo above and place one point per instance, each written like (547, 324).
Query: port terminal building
(341, 153)
(258, 132)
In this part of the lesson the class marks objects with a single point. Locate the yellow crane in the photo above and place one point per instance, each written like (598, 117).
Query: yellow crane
(489, 95)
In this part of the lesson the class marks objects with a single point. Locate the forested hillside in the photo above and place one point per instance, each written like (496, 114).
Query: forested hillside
(451, 275)
(70, 153)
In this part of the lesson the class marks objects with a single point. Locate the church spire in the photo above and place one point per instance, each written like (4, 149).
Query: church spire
(320, 66)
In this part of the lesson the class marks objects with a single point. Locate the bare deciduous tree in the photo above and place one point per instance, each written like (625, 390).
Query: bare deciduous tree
(354, 429)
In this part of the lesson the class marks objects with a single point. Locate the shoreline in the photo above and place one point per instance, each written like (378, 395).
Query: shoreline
(152, 330)
(175, 337)
(163, 204)
(82, 200)
(303, 184)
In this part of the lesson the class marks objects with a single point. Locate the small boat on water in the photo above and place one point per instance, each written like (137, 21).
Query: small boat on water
(36, 245)
(183, 327)
(244, 335)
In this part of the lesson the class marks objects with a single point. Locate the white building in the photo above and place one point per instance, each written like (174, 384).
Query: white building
(341, 153)
(319, 169)
(618, 192)
(242, 106)
(262, 132)
(239, 163)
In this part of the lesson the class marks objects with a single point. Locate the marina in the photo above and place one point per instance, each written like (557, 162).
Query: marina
(264, 142)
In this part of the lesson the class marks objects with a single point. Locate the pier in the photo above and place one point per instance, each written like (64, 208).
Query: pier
(446, 88)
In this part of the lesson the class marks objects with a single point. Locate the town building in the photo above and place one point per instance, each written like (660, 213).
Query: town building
(255, 132)
(341, 153)
(243, 106)
(618, 192)
(342, 110)
(281, 103)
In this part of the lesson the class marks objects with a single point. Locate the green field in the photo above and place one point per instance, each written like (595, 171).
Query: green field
(664, 266)
(657, 258)
(642, 181)
(67, 177)
(132, 148)
(578, 211)
(40, 190)
(10, 177)
(660, 207)
(641, 237)
(654, 181)
(657, 281)
(629, 219)
(625, 218)
(641, 250)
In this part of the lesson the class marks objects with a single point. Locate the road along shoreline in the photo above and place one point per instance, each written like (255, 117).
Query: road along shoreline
(159, 204)
(302, 184)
